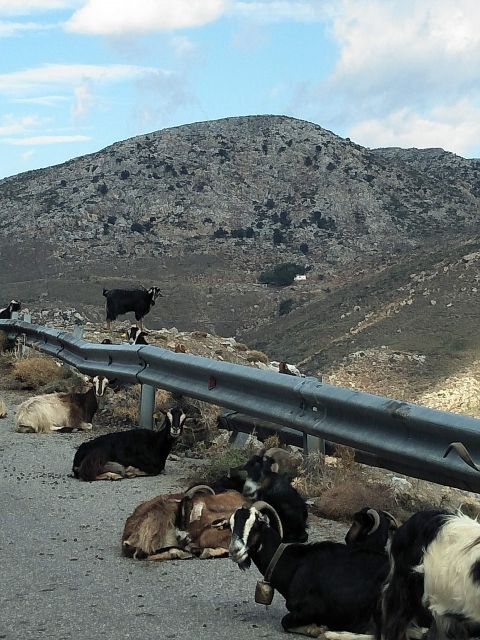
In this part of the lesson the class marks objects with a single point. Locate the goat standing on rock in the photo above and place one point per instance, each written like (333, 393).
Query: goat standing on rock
(6, 313)
(326, 585)
(127, 454)
(120, 301)
(61, 411)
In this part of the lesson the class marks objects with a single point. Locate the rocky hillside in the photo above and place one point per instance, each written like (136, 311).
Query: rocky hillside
(202, 209)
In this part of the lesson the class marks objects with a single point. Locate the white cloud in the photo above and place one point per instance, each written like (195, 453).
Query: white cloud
(9, 29)
(390, 47)
(184, 48)
(45, 101)
(24, 7)
(49, 139)
(110, 17)
(26, 155)
(455, 128)
(278, 10)
(12, 125)
(31, 80)
(84, 100)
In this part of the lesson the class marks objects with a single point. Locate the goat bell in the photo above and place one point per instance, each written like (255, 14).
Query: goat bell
(264, 592)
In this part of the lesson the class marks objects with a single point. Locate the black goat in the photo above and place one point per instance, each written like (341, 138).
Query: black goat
(264, 483)
(136, 336)
(137, 452)
(6, 313)
(120, 301)
(435, 577)
(326, 585)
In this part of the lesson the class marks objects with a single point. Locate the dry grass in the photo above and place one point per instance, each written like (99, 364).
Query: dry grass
(257, 356)
(36, 371)
(3, 409)
(342, 500)
(220, 460)
(3, 341)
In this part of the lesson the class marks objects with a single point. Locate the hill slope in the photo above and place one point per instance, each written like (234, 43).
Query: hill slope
(202, 209)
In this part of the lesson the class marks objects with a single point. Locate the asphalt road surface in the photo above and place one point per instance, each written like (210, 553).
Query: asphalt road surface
(61, 571)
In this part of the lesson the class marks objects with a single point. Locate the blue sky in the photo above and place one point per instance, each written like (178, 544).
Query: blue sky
(78, 75)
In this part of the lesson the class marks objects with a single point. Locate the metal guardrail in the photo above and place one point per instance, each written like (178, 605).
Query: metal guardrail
(399, 436)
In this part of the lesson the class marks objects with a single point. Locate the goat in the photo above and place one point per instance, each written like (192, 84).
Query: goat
(136, 336)
(203, 522)
(60, 411)
(6, 312)
(120, 301)
(263, 482)
(287, 463)
(180, 348)
(326, 585)
(435, 571)
(127, 454)
(178, 526)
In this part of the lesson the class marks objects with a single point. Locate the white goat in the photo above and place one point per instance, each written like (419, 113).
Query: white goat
(56, 411)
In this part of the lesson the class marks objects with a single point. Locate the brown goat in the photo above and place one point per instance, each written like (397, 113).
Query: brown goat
(179, 526)
(205, 520)
(180, 348)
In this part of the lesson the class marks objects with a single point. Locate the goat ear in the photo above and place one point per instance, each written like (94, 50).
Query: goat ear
(159, 415)
(87, 379)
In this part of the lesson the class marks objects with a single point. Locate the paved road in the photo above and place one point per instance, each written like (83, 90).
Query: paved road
(62, 575)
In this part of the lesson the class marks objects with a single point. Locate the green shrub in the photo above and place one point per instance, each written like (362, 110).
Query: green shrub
(282, 274)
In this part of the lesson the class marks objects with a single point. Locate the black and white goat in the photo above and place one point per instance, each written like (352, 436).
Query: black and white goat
(326, 585)
(263, 482)
(126, 454)
(435, 569)
(120, 301)
(6, 313)
(135, 335)
(60, 411)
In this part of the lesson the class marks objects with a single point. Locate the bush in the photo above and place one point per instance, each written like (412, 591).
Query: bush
(304, 248)
(285, 306)
(282, 274)
(278, 237)
(37, 371)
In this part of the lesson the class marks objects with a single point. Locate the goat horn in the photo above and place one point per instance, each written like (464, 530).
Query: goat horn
(392, 518)
(197, 489)
(262, 506)
(463, 452)
(376, 520)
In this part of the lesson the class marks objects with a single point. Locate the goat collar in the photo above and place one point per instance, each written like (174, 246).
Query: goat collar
(275, 558)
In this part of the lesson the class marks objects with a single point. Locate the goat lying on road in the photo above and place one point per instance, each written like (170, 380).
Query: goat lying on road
(435, 559)
(126, 454)
(264, 483)
(120, 301)
(178, 526)
(60, 411)
(326, 585)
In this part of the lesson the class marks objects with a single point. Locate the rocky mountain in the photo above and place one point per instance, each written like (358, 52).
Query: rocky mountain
(202, 209)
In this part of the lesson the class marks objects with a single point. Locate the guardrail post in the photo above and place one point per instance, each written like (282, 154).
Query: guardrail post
(78, 331)
(312, 444)
(239, 439)
(147, 406)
